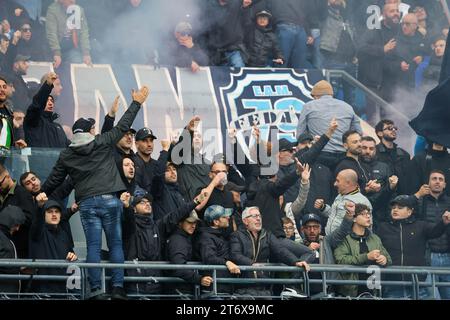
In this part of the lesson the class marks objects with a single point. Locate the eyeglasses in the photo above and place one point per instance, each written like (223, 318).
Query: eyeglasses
(364, 213)
(254, 216)
(26, 30)
(288, 228)
(409, 24)
(219, 171)
(391, 129)
(185, 34)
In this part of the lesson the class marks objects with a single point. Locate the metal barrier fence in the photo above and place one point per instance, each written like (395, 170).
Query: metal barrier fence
(77, 285)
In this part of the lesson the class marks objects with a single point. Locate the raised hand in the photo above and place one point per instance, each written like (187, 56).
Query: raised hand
(141, 95)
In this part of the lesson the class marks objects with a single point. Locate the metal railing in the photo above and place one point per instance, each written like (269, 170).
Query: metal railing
(301, 278)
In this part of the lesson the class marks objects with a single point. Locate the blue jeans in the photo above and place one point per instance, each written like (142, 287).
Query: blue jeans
(442, 260)
(234, 59)
(292, 41)
(104, 211)
(404, 292)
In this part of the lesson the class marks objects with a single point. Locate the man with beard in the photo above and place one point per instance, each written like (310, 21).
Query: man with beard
(41, 130)
(377, 67)
(352, 143)
(166, 192)
(388, 152)
(146, 166)
(30, 181)
(22, 95)
(380, 172)
(6, 117)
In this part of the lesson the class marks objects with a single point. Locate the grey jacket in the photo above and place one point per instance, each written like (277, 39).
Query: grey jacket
(316, 116)
(336, 212)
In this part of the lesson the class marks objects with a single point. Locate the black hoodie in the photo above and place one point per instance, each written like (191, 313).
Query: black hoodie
(9, 217)
(51, 242)
(41, 130)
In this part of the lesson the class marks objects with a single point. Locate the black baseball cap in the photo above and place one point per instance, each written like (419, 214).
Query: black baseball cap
(310, 217)
(83, 125)
(144, 133)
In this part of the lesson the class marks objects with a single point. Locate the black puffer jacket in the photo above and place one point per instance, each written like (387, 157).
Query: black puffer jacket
(431, 210)
(90, 163)
(246, 250)
(406, 239)
(179, 250)
(9, 217)
(41, 130)
(262, 46)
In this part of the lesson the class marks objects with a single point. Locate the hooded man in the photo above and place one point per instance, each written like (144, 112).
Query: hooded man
(11, 218)
(41, 130)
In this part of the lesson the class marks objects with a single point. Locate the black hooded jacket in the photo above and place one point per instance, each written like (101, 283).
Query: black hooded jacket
(51, 242)
(167, 197)
(41, 130)
(262, 45)
(144, 240)
(9, 217)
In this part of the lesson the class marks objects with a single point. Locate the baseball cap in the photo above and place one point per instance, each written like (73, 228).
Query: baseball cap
(183, 28)
(310, 217)
(193, 217)
(83, 125)
(140, 194)
(144, 133)
(214, 212)
(305, 137)
(21, 57)
(404, 201)
(285, 145)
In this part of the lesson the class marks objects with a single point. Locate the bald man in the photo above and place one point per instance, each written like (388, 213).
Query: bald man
(411, 48)
(347, 186)
(375, 54)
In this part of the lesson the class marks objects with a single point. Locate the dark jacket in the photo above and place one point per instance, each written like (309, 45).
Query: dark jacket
(9, 217)
(90, 164)
(22, 95)
(139, 170)
(21, 198)
(406, 240)
(146, 171)
(430, 209)
(179, 250)
(262, 46)
(377, 69)
(144, 240)
(166, 197)
(181, 56)
(225, 28)
(41, 130)
(422, 164)
(351, 163)
(265, 194)
(398, 161)
(213, 248)
(53, 243)
(290, 11)
(246, 250)
(306, 155)
(380, 171)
